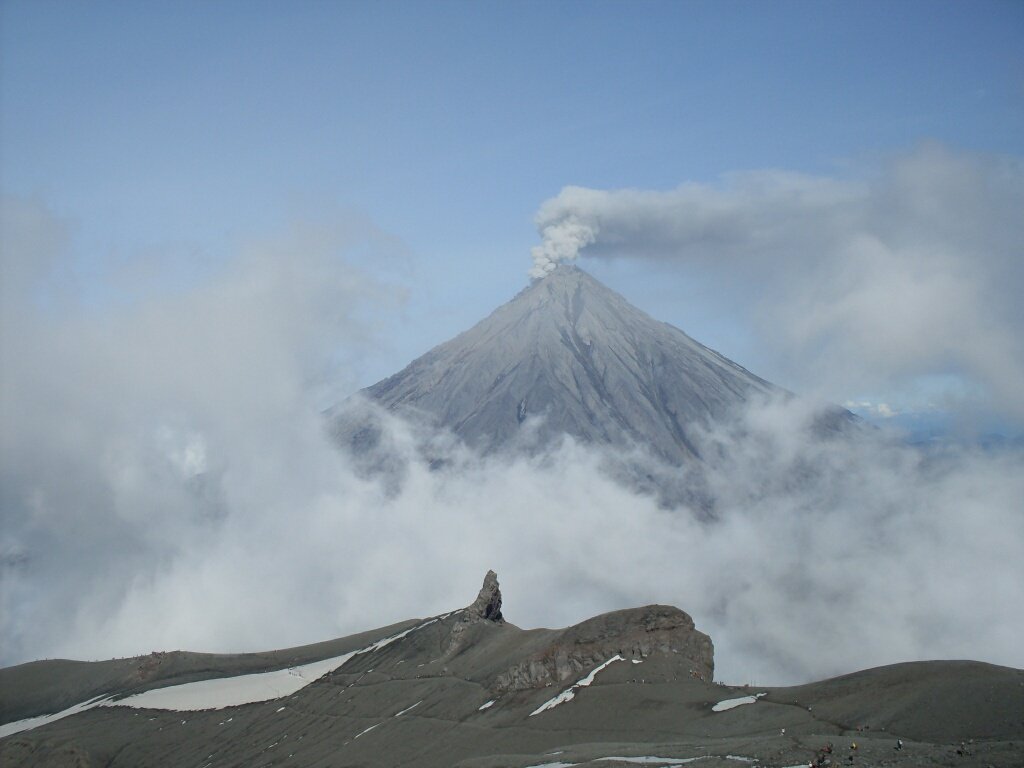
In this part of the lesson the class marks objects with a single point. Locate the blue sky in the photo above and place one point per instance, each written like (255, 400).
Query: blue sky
(168, 134)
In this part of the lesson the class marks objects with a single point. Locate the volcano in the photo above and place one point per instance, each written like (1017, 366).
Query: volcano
(569, 356)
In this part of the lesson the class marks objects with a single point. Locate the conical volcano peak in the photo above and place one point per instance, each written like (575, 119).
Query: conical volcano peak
(571, 293)
(570, 356)
(560, 271)
(562, 277)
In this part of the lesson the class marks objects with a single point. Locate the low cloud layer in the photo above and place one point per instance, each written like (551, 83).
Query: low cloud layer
(880, 276)
(168, 482)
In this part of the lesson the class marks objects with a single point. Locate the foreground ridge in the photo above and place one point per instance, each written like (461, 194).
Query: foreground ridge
(468, 688)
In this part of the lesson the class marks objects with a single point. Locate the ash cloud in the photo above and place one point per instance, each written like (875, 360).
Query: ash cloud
(906, 267)
(168, 481)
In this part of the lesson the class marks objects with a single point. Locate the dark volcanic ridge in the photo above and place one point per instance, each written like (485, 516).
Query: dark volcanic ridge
(467, 688)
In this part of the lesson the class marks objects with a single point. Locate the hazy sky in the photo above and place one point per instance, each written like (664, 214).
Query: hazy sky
(218, 218)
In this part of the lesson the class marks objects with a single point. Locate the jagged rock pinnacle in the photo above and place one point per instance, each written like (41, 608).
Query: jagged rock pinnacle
(488, 603)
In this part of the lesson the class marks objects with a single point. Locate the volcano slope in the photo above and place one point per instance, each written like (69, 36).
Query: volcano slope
(469, 689)
(566, 356)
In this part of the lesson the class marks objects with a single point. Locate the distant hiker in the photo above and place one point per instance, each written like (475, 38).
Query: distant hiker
(899, 744)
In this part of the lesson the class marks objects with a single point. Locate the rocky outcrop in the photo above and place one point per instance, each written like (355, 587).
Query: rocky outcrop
(488, 603)
(486, 608)
(636, 633)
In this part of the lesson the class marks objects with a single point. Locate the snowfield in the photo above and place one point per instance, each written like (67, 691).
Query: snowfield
(249, 689)
(650, 760)
(665, 762)
(233, 691)
(221, 692)
(727, 704)
(570, 693)
(8, 729)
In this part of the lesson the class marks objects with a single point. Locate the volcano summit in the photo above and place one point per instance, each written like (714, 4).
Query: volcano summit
(569, 356)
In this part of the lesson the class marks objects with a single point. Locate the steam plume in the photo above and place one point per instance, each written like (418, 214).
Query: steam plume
(563, 241)
(877, 278)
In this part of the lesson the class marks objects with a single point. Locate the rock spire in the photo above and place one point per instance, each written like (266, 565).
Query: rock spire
(488, 603)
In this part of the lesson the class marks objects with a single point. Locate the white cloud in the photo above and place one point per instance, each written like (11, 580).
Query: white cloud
(867, 408)
(168, 483)
(822, 557)
(124, 427)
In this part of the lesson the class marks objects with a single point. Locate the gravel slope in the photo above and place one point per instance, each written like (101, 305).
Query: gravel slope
(460, 690)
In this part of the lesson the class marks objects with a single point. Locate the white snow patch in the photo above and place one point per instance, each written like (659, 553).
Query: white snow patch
(222, 692)
(590, 677)
(34, 722)
(394, 638)
(652, 760)
(366, 731)
(486, 705)
(638, 661)
(407, 709)
(552, 765)
(233, 691)
(570, 693)
(248, 689)
(668, 762)
(722, 706)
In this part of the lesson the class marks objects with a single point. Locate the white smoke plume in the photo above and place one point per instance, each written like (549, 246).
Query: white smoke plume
(563, 240)
(168, 482)
(906, 268)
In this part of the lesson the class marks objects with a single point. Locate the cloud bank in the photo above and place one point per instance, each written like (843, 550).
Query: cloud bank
(909, 268)
(168, 482)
